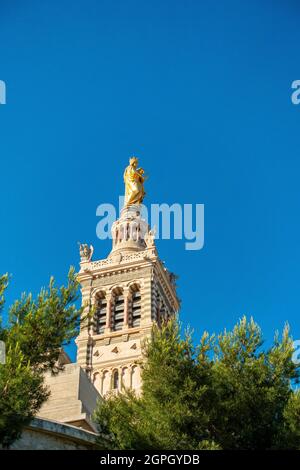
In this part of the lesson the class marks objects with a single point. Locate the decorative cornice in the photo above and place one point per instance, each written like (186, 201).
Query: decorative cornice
(119, 259)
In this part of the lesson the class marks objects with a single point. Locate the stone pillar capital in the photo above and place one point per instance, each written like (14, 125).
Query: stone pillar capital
(127, 297)
(108, 311)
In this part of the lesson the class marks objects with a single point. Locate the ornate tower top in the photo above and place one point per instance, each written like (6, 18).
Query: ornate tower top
(130, 290)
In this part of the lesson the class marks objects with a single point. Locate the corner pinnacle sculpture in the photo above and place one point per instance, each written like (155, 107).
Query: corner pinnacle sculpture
(134, 183)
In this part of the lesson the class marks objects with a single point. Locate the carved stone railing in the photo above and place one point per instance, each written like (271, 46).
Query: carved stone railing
(126, 258)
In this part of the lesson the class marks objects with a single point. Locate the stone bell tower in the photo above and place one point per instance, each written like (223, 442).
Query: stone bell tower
(129, 291)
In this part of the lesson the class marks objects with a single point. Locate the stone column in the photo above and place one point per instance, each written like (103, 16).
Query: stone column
(94, 305)
(108, 313)
(120, 379)
(86, 299)
(101, 383)
(83, 337)
(146, 302)
(127, 298)
(111, 377)
(130, 376)
(113, 232)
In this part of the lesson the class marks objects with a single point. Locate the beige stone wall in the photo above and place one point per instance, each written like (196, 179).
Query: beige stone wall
(73, 397)
(46, 434)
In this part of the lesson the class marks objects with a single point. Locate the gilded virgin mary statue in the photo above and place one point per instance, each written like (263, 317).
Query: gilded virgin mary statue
(134, 183)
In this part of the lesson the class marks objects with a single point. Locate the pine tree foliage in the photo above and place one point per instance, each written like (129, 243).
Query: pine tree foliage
(227, 392)
(34, 335)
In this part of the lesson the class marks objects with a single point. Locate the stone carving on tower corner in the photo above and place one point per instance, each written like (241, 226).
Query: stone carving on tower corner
(173, 278)
(150, 238)
(86, 252)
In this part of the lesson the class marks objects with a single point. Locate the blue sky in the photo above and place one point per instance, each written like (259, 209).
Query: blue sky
(201, 93)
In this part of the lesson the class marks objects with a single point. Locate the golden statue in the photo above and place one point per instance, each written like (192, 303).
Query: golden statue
(134, 183)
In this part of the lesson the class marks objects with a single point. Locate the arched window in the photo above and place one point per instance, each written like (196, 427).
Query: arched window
(97, 381)
(115, 380)
(134, 231)
(158, 306)
(136, 306)
(136, 309)
(163, 313)
(100, 315)
(118, 310)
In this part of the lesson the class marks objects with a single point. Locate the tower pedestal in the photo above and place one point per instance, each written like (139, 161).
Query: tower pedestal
(128, 232)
